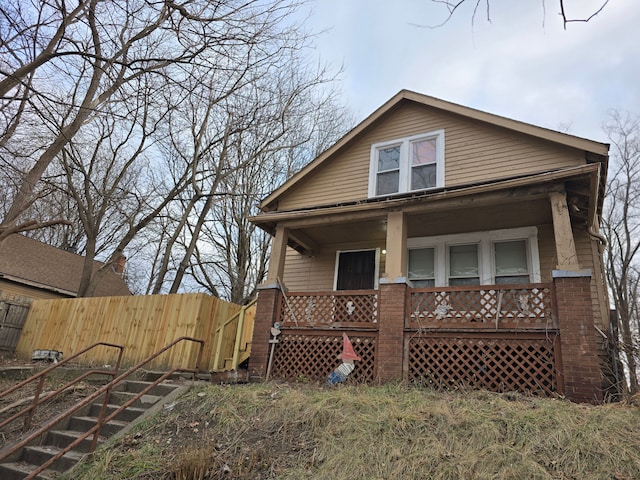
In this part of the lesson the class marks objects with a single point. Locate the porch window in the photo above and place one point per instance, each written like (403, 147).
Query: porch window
(407, 164)
(493, 257)
(463, 265)
(422, 267)
(511, 265)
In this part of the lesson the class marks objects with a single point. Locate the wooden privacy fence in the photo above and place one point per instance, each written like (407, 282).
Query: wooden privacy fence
(13, 313)
(142, 324)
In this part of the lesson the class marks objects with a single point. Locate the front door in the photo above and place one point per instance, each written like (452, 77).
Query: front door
(356, 270)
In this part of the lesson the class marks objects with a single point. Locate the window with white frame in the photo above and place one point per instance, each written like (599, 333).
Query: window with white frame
(494, 257)
(407, 164)
(422, 267)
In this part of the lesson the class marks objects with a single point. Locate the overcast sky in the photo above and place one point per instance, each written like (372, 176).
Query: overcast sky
(522, 65)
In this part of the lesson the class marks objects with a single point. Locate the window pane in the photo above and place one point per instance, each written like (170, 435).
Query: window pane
(461, 282)
(423, 152)
(516, 279)
(463, 261)
(423, 283)
(421, 263)
(423, 177)
(387, 182)
(388, 158)
(511, 258)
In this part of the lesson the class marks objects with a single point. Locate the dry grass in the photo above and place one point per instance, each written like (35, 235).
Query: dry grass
(296, 432)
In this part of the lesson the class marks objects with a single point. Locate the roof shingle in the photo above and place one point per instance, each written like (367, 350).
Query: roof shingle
(29, 261)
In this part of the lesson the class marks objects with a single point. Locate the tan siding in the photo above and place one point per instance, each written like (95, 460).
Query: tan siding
(11, 289)
(588, 261)
(474, 152)
(302, 273)
(311, 274)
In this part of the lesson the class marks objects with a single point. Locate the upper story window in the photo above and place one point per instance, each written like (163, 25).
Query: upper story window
(407, 164)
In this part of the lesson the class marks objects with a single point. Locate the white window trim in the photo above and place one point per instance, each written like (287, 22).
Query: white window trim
(376, 273)
(486, 260)
(405, 167)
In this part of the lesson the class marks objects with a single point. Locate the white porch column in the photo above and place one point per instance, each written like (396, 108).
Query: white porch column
(278, 253)
(565, 244)
(396, 259)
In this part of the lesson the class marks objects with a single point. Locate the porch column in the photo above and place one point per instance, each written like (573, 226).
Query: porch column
(266, 315)
(278, 253)
(396, 259)
(579, 352)
(390, 348)
(565, 244)
(393, 293)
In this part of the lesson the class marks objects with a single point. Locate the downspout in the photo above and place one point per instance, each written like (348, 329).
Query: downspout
(598, 236)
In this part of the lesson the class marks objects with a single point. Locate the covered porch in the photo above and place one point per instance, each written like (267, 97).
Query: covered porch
(534, 335)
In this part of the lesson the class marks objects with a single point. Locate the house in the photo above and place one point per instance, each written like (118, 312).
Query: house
(453, 246)
(35, 270)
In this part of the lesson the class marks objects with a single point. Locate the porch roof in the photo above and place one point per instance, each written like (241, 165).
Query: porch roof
(307, 225)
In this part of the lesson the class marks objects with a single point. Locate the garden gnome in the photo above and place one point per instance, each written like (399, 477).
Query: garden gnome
(348, 356)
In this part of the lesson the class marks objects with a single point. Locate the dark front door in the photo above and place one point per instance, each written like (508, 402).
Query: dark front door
(356, 270)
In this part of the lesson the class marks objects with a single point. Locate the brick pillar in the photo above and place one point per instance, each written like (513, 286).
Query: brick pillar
(582, 380)
(266, 315)
(390, 348)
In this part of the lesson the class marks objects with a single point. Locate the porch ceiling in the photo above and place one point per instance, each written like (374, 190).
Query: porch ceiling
(422, 224)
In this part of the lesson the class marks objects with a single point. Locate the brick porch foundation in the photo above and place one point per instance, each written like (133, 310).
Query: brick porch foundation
(579, 353)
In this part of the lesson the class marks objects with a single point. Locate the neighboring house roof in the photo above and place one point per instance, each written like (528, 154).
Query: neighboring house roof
(30, 262)
(591, 147)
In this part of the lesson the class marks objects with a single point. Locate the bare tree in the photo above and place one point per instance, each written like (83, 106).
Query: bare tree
(234, 254)
(622, 229)
(70, 61)
(453, 6)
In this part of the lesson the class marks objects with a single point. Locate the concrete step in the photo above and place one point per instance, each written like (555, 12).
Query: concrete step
(129, 414)
(37, 455)
(63, 438)
(20, 470)
(64, 433)
(136, 386)
(146, 401)
(83, 424)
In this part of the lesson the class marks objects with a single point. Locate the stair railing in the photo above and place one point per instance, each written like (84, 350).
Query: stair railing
(102, 419)
(219, 336)
(41, 376)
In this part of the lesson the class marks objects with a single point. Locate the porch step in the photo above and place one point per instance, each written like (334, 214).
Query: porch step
(60, 436)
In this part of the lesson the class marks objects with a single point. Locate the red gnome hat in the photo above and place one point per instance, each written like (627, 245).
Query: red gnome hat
(347, 349)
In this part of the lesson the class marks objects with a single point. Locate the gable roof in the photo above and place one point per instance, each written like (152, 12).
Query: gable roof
(596, 148)
(30, 262)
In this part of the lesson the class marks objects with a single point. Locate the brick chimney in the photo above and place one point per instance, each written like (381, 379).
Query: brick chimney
(118, 264)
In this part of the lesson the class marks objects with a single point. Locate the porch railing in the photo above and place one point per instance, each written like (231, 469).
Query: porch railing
(354, 309)
(530, 306)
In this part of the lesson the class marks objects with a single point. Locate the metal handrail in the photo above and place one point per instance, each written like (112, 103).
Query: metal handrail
(42, 376)
(106, 389)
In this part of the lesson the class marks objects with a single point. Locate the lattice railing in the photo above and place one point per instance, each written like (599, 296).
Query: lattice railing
(496, 306)
(499, 365)
(347, 309)
(307, 355)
